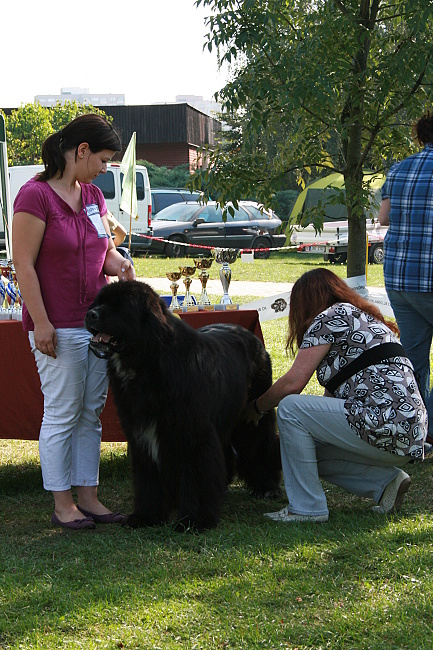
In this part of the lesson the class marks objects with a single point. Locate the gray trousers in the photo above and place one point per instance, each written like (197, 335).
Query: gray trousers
(317, 442)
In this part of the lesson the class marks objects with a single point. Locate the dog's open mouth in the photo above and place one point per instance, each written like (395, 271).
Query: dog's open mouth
(104, 345)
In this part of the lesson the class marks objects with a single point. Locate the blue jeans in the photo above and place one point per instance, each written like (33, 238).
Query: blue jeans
(316, 442)
(413, 312)
(75, 387)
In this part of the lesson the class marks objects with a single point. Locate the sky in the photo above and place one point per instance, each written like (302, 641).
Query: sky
(149, 50)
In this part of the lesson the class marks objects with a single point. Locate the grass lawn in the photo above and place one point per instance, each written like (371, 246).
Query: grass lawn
(280, 267)
(360, 582)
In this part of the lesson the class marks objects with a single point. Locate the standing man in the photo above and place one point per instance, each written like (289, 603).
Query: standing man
(407, 207)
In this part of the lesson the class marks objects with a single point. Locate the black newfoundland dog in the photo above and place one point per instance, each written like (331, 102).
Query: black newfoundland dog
(180, 394)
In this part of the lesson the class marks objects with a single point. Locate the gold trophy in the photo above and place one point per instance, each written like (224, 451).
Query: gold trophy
(4, 312)
(174, 276)
(187, 272)
(225, 256)
(203, 263)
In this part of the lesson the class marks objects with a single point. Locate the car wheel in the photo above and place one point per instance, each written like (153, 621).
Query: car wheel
(261, 243)
(376, 254)
(338, 258)
(174, 250)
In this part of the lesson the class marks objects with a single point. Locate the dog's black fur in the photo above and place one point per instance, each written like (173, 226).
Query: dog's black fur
(180, 394)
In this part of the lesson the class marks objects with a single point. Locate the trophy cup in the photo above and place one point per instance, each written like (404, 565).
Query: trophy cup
(225, 256)
(4, 311)
(6, 293)
(14, 292)
(187, 272)
(174, 276)
(203, 263)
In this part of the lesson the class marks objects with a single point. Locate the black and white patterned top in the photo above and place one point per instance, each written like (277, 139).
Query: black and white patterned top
(382, 403)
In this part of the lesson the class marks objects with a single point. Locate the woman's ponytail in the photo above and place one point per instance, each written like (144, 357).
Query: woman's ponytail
(52, 156)
(93, 129)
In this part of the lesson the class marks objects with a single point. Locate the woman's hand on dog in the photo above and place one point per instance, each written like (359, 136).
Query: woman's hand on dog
(251, 414)
(126, 270)
(116, 264)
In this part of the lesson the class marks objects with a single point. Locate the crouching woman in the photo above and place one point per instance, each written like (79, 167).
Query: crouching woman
(371, 420)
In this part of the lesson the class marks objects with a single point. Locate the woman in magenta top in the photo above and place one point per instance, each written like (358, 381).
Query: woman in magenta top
(62, 253)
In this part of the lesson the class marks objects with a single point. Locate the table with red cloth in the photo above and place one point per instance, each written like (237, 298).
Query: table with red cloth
(21, 397)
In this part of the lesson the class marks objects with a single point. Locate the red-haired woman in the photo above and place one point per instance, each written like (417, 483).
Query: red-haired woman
(372, 423)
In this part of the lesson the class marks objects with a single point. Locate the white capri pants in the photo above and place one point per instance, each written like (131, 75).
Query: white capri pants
(317, 441)
(75, 387)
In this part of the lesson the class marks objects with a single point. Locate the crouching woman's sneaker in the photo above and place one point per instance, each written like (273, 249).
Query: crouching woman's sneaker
(393, 495)
(286, 516)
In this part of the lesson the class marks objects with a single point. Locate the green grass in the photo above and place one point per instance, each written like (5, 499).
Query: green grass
(281, 267)
(359, 582)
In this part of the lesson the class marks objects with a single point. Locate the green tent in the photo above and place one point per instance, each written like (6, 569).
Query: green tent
(325, 190)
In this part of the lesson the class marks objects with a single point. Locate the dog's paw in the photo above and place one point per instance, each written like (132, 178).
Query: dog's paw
(137, 520)
(133, 521)
(188, 525)
(185, 527)
(273, 494)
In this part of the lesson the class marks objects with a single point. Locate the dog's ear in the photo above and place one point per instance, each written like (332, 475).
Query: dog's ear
(154, 316)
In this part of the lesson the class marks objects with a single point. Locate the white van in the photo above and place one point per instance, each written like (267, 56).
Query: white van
(111, 186)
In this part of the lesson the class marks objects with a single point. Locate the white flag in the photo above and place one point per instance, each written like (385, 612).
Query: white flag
(128, 202)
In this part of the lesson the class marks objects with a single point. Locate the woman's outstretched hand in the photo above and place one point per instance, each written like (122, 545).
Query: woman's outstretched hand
(251, 415)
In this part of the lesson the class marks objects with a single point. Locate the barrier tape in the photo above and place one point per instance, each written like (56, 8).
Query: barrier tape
(278, 306)
(181, 243)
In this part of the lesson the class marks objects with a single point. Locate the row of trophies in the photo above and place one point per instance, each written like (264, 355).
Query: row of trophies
(11, 301)
(10, 297)
(223, 256)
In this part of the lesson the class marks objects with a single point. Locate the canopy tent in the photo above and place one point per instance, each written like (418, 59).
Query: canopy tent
(5, 203)
(326, 190)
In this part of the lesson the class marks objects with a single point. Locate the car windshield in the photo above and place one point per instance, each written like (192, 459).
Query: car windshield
(176, 212)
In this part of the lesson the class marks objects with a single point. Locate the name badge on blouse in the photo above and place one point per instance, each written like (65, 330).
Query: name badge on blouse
(94, 216)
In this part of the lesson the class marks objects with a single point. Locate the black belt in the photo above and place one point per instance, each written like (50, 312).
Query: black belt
(376, 354)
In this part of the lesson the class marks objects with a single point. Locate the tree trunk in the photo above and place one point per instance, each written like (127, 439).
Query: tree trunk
(353, 176)
(356, 250)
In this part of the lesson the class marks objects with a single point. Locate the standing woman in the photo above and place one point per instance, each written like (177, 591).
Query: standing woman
(372, 423)
(62, 252)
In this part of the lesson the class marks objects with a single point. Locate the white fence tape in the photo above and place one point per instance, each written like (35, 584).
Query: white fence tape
(278, 306)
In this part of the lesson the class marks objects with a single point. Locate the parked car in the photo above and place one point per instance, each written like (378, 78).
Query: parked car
(333, 241)
(197, 224)
(162, 198)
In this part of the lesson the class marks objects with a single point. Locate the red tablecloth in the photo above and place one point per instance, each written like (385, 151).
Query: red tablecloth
(21, 398)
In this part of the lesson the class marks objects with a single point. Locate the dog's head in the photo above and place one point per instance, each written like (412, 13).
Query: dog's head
(121, 314)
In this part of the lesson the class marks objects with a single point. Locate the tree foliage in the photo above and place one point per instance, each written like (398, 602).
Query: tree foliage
(333, 85)
(165, 177)
(28, 126)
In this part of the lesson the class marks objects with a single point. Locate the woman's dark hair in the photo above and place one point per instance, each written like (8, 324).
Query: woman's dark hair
(423, 129)
(91, 128)
(314, 292)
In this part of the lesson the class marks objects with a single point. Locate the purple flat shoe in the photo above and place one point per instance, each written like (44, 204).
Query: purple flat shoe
(110, 518)
(76, 524)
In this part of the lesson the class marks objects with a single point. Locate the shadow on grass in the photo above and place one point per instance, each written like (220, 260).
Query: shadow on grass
(307, 583)
(25, 477)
